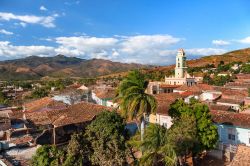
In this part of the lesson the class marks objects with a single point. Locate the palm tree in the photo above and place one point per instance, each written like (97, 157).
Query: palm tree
(134, 102)
(156, 150)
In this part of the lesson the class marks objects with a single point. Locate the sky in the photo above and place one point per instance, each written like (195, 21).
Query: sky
(139, 31)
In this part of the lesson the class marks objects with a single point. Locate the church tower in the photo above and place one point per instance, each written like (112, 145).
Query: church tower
(180, 68)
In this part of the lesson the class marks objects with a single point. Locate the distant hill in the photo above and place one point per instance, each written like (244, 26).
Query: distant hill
(242, 55)
(35, 67)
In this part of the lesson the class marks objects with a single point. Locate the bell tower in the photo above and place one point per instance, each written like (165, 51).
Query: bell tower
(180, 68)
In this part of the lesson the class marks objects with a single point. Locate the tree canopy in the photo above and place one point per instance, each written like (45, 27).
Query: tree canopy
(106, 135)
(207, 133)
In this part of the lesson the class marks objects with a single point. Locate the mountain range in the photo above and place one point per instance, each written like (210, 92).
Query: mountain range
(34, 67)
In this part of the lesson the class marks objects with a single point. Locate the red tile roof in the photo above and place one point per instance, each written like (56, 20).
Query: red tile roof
(217, 107)
(164, 100)
(198, 88)
(229, 101)
(105, 93)
(44, 104)
(77, 113)
(169, 86)
(231, 118)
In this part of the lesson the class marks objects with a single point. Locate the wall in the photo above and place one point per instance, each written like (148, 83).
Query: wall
(164, 120)
(242, 135)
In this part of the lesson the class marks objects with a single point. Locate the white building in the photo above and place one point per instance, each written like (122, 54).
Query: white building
(181, 76)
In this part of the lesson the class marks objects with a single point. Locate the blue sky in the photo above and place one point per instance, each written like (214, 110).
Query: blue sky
(142, 31)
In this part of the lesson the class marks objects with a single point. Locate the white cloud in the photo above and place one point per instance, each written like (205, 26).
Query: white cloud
(3, 31)
(9, 51)
(199, 52)
(46, 21)
(43, 8)
(220, 42)
(245, 40)
(147, 49)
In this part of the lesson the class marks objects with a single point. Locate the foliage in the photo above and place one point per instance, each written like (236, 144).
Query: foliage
(107, 137)
(156, 150)
(206, 131)
(47, 156)
(221, 80)
(88, 81)
(217, 80)
(78, 151)
(155, 147)
(183, 135)
(3, 99)
(245, 68)
(39, 93)
(134, 101)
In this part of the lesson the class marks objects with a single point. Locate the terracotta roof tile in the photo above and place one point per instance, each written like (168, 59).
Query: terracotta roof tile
(164, 100)
(231, 118)
(196, 88)
(230, 101)
(78, 113)
(105, 93)
(44, 104)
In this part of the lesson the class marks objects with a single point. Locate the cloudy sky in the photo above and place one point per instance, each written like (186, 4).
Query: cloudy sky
(141, 31)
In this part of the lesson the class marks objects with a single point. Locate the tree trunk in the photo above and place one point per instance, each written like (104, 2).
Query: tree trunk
(142, 128)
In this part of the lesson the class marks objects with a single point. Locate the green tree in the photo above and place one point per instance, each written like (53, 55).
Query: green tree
(207, 133)
(134, 102)
(47, 156)
(39, 93)
(78, 151)
(182, 136)
(107, 137)
(156, 150)
(3, 99)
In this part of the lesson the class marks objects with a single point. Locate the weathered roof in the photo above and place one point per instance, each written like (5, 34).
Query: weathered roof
(217, 107)
(229, 101)
(169, 86)
(105, 93)
(231, 118)
(77, 113)
(44, 104)
(195, 88)
(242, 156)
(164, 100)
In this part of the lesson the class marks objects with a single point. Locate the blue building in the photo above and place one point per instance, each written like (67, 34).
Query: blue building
(233, 128)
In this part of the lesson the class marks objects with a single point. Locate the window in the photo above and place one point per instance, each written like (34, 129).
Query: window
(231, 134)
(178, 64)
(164, 125)
(154, 92)
(231, 137)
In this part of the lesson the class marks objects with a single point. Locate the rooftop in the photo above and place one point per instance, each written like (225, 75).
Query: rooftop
(196, 88)
(229, 101)
(44, 104)
(231, 118)
(77, 113)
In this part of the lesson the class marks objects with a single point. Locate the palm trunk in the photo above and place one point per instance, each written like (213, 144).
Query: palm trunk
(142, 128)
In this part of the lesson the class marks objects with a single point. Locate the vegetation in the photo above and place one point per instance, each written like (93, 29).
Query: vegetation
(47, 156)
(207, 134)
(102, 143)
(107, 137)
(3, 99)
(39, 93)
(217, 80)
(134, 101)
(182, 136)
(156, 150)
(78, 151)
